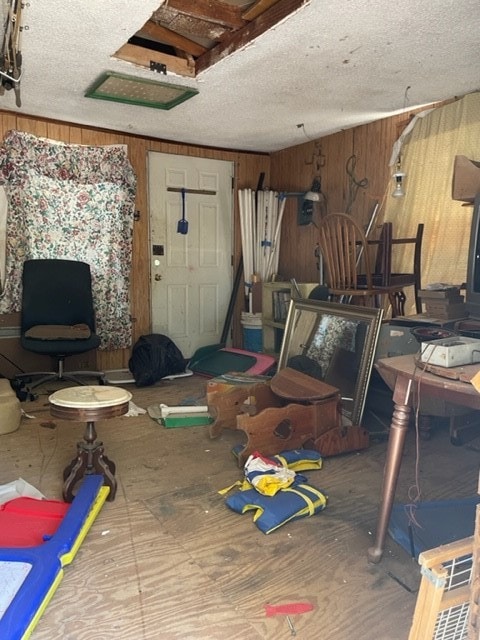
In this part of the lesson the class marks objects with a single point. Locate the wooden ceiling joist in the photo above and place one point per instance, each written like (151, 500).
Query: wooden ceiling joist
(162, 34)
(210, 10)
(240, 38)
(143, 57)
(257, 8)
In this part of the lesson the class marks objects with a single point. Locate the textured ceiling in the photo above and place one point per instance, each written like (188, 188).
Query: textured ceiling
(331, 65)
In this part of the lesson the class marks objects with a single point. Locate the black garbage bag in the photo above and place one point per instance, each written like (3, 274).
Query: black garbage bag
(154, 357)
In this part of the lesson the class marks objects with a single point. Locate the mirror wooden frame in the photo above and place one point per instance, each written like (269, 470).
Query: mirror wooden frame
(304, 321)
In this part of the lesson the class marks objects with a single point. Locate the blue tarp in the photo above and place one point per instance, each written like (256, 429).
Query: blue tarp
(427, 525)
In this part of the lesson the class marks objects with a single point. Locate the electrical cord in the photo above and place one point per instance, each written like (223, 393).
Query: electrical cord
(415, 492)
(45, 459)
(19, 386)
(354, 185)
(14, 364)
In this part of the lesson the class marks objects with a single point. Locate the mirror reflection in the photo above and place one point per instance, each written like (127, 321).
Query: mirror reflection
(334, 343)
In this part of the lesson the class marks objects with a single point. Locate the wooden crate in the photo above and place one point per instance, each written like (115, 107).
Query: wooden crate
(443, 602)
(474, 621)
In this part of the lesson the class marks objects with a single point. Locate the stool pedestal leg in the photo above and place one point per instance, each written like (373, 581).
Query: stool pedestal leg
(90, 459)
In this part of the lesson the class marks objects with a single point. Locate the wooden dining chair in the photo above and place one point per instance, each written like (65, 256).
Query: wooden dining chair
(347, 256)
(384, 261)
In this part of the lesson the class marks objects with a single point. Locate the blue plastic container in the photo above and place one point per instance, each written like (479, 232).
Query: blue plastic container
(252, 332)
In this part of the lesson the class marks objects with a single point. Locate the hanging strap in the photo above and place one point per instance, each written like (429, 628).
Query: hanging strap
(183, 191)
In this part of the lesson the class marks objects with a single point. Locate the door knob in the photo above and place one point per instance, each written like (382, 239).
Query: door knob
(158, 277)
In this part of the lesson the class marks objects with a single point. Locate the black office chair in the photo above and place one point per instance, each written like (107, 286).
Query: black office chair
(57, 317)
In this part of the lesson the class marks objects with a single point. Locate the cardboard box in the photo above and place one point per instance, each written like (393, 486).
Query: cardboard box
(466, 179)
(447, 312)
(451, 293)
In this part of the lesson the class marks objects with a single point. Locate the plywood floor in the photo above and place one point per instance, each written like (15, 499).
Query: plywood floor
(167, 560)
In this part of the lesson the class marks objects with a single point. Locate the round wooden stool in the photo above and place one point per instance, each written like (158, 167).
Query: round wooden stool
(88, 404)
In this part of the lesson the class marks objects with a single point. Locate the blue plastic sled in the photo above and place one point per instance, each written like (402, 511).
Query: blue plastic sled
(29, 576)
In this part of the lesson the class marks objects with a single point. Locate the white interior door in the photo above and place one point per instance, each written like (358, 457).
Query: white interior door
(191, 274)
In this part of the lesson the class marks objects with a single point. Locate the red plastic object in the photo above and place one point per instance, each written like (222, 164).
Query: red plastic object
(28, 522)
(289, 609)
(263, 364)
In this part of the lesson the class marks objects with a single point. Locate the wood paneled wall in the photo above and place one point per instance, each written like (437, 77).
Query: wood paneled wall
(369, 148)
(291, 169)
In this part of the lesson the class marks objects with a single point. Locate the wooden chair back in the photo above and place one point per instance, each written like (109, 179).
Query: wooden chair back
(349, 256)
(383, 264)
(345, 251)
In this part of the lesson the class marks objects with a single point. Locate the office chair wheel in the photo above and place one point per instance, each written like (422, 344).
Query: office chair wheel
(19, 382)
(21, 390)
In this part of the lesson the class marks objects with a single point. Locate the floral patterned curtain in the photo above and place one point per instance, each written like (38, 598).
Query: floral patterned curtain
(73, 202)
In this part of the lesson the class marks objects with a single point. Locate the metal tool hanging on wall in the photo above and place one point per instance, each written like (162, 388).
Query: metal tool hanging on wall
(182, 224)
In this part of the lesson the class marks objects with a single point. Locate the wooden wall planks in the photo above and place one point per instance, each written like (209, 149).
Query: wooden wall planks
(292, 169)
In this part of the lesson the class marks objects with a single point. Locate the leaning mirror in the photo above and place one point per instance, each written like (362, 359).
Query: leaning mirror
(335, 343)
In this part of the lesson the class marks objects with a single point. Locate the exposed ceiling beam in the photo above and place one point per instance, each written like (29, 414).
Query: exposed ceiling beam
(143, 57)
(217, 12)
(257, 8)
(249, 32)
(162, 34)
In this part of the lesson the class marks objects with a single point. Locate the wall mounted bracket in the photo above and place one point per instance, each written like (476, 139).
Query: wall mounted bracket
(158, 67)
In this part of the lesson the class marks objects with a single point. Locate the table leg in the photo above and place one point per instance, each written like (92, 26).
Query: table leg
(90, 459)
(396, 443)
(72, 474)
(105, 467)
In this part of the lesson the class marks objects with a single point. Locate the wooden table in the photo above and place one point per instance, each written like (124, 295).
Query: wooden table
(407, 380)
(88, 403)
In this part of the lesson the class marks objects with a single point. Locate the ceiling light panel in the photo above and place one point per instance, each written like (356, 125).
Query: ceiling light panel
(118, 87)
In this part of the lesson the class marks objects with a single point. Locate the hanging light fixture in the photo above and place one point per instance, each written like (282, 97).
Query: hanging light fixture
(306, 200)
(398, 177)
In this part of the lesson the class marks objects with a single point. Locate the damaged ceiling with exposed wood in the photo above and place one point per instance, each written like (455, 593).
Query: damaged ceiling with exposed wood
(260, 75)
(189, 36)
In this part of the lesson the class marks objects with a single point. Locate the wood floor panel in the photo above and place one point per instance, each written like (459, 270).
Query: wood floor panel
(144, 586)
(253, 569)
